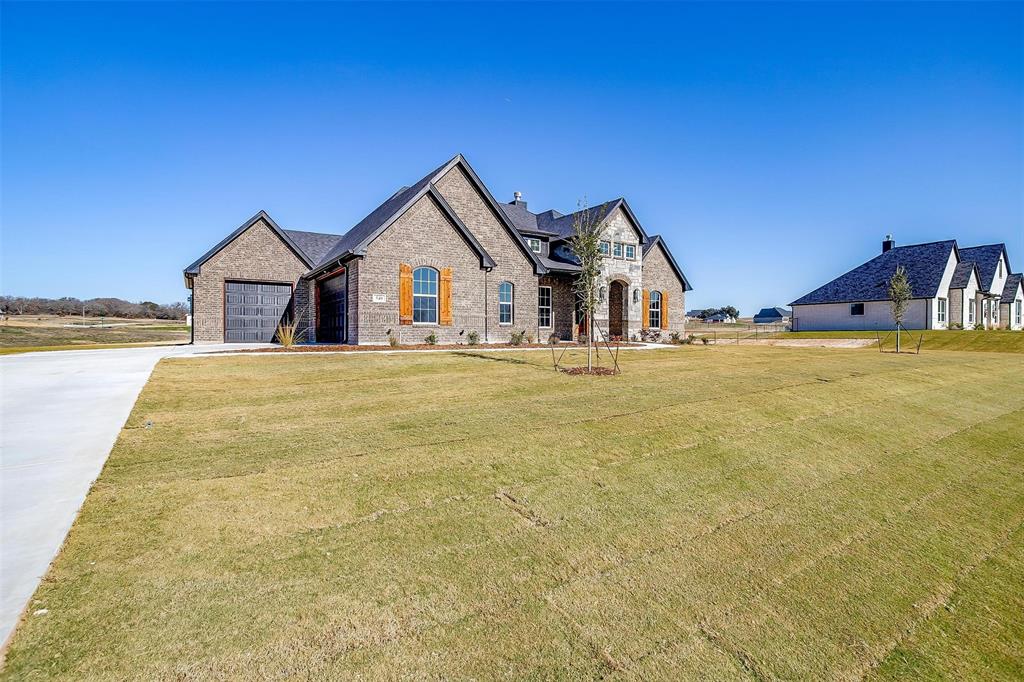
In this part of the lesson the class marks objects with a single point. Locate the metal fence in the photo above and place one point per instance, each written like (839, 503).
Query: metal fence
(736, 332)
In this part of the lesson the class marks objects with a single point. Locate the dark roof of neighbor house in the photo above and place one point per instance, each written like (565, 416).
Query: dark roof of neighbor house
(717, 316)
(657, 240)
(962, 274)
(285, 236)
(775, 313)
(314, 244)
(356, 240)
(924, 265)
(1013, 282)
(986, 257)
(694, 313)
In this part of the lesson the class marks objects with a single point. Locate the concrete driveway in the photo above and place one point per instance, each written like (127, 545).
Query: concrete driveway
(60, 413)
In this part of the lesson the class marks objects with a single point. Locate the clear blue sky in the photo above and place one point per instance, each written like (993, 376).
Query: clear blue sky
(772, 145)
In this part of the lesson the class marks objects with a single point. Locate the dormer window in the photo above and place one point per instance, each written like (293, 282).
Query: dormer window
(534, 244)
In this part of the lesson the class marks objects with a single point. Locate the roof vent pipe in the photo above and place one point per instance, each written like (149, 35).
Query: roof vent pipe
(888, 244)
(517, 199)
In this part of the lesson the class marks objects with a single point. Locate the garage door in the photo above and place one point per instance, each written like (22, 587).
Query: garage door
(253, 310)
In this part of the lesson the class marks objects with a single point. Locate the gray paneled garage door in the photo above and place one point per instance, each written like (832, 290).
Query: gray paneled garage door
(253, 310)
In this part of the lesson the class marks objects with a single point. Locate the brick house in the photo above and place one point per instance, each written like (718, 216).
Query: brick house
(440, 256)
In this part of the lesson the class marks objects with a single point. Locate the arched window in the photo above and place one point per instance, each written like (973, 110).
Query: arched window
(654, 311)
(424, 296)
(505, 306)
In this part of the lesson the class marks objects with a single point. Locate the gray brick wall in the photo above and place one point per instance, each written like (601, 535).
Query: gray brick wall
(512, 264)
(423, 236)
(256, 255)
(659, 276)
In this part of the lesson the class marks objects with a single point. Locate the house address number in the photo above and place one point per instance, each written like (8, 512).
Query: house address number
(380, 298)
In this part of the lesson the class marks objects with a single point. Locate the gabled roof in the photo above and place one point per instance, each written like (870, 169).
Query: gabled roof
(562, 225)
(369, 228)
(986, 257)
(772, 313)
(924, 264)
(262, 215)
(656, 240)
(963, 272)
(314, 244)
(524, 220)
(1013, 283)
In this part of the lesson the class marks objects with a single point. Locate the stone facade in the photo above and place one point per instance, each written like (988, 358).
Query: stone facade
(257, 254)
(513, 265)
(659, 276)
(629, 272)
(423, 236)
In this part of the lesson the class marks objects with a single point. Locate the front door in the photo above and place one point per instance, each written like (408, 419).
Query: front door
(616, 309)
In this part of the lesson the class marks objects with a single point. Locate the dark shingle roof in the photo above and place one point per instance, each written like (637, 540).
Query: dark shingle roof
(775, 313)
(314, 244)
(366, 230)
(194, 268)
(524, 220)
(986, 257)
(962, 274)
(924, 264)
(1010, 288)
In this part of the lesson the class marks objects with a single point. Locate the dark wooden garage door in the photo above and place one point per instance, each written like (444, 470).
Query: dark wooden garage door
(253, 310)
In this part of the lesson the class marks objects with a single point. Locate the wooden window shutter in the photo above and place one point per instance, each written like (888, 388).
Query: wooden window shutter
(647, 309)
(444, 302)
(404, 293)
(664, 310)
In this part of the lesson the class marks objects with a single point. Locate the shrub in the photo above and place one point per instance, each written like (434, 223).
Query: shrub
(704, 340)
(675, 337)
(431, 339)
(691, 338)
(529, 338)
(979, 327)
(286, 333)
(582, 339)
(516, 339)
(473, 338)
(553, 339)
(392, 339)
(955, 325)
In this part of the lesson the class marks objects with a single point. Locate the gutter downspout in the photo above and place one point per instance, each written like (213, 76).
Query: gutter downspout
(487, 296)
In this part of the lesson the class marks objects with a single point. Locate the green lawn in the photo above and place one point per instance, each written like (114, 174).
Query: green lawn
(22, 335)
(716, 512)
(993, 340)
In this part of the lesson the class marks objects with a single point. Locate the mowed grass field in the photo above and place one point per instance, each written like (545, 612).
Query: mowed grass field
(716, 513)
(48, 332)
(992, 340)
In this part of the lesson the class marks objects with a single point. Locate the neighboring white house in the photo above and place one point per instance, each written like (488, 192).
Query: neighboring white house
(963, 287)
(1011, 305)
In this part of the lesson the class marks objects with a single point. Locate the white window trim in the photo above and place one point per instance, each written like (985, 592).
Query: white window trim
(607, 253)
(627, 250)
(621, 248)
(550, 308)
(435, 296)
(530, 241)
(970, 312)
(1018, 311)
(650, 309)
(511, 305)
(940, 311)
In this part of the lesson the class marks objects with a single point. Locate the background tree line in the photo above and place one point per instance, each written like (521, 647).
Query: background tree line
(94, 307)
(727, 310)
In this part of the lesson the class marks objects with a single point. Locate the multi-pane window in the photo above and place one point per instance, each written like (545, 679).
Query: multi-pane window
(995, 312)
(534, 244)
(617, 250)
(942, 311)
(654, 311)
(1018, 312)
(505, 303)
(605, 248)
(970, 312)
(630, 252)
(856, 308)
(424, 296)
(544, 307)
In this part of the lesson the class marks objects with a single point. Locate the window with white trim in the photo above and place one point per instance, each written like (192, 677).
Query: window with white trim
(617, 250)
(505, 307)
(630, 252)
(856, 309)
(544, 307)
(1017, 314)
(654, 310)
(970, 312)
(995, 311)
(534, 244)
(605, 248)
(942, 311)
(424, 296)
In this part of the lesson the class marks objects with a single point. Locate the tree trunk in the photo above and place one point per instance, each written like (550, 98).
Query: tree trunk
(897, 338)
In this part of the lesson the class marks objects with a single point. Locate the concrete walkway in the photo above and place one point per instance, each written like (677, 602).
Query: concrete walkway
(60, 413)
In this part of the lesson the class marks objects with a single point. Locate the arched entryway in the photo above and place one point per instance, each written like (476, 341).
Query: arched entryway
(617, 309)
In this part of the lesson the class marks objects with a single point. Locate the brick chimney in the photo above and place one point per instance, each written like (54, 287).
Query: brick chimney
(888, 243)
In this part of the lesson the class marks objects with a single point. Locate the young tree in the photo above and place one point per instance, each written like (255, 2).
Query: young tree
(586, 245)
(899, 299)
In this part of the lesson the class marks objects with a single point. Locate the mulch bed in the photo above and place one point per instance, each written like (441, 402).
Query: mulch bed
(333, 348)
(595, 371)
